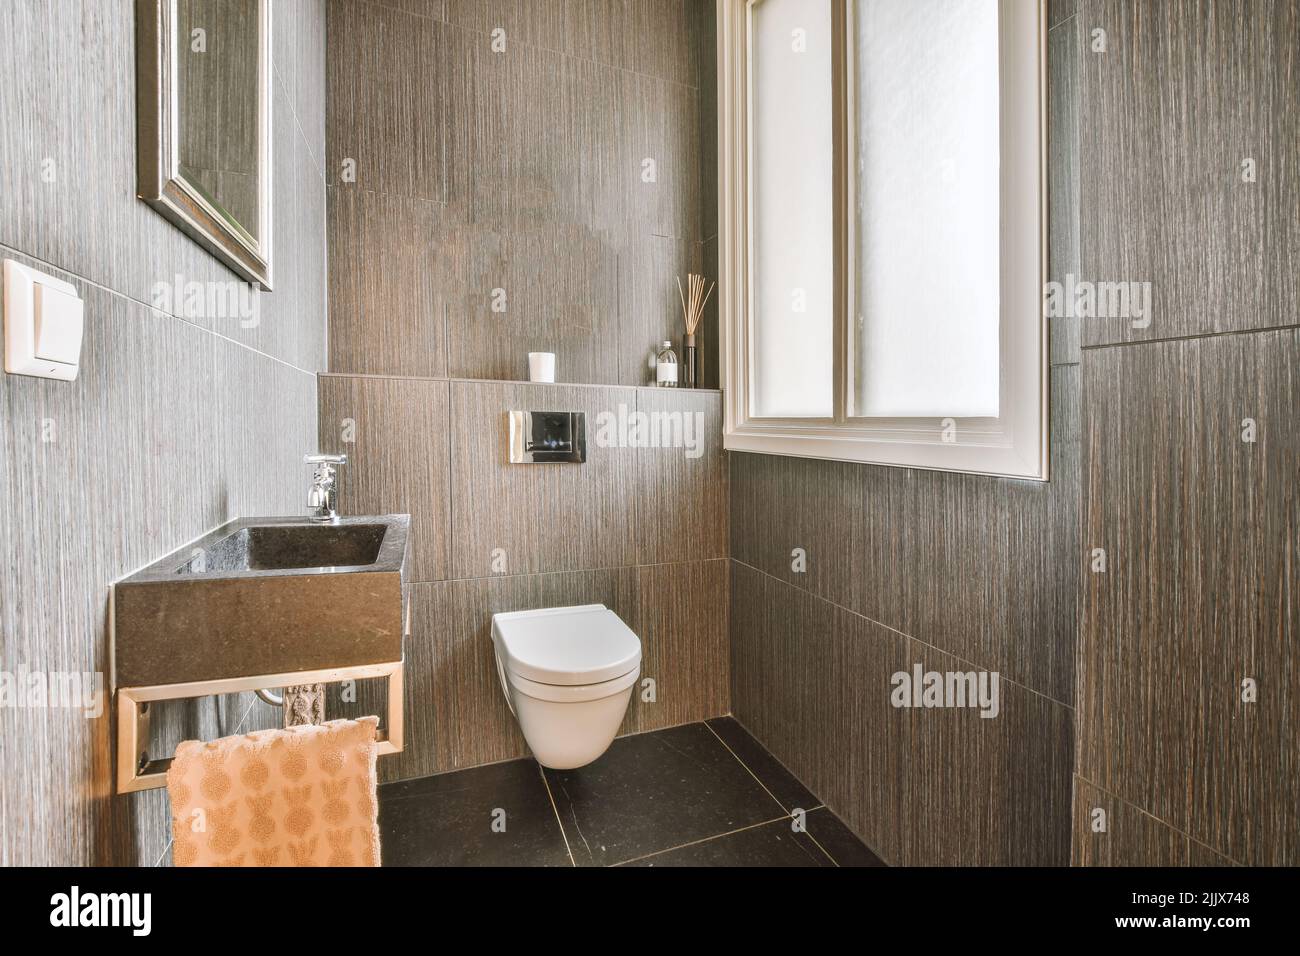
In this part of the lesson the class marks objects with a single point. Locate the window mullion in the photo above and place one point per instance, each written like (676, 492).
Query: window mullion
(840, 195)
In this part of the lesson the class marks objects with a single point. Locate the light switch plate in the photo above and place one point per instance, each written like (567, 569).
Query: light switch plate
(43, 319)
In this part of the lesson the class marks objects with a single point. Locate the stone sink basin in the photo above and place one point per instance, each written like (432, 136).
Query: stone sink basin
(264, 596)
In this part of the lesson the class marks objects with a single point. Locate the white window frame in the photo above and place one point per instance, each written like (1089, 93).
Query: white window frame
(1015, 443)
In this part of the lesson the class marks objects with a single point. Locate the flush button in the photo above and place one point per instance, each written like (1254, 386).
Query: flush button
(58, 325)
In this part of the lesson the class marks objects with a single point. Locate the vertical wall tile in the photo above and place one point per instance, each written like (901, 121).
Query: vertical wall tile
(511, 307)
(1201, 86)
(681, 485)
(520, 518)
(811, 681)
(395, 433)
(1198, 527)
(682, 623)
(389, 280)
(1064, 69)
(194, 428)
(469, 718)
(989, 791)
(538, 23)
(1110, 832)
(649, 303)
(299, 61)
(387, 92)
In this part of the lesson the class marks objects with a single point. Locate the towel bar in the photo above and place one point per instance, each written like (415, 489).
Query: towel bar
(135, 769)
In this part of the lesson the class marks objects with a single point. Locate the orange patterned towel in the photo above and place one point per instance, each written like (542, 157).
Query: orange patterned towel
(298, 797)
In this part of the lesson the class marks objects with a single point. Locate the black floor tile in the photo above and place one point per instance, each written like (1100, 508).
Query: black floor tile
(772, 844)
(839, 841)
(789, 792)
(446, 820)
(655, 791)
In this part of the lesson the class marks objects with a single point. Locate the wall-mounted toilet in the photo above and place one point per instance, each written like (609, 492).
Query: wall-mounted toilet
(568, 674)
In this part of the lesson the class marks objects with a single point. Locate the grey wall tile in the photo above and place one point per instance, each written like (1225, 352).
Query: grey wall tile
(193, 428)
(654, 37)
(513, 127)
(470, 720)
(1064, 69)
(1059, 11)
(548, 517)
(923, 786)
(569, 307)
(649, 304)
(1185, 92)
(989, 791)
(1110, 832)
(536, 153)
(387, 72)
(708, 337)
(981, 567)
(63, 113)
(539, 23)
(1041, 590)
(802, 673)
(299, 61)
(1198, 855)
(682, 622)
(658, 123)
(395, 433)
(1198, 527)
(681, 501)
(389, 282)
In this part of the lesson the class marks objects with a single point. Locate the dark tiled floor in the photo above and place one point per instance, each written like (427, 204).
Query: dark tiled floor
(703, 794)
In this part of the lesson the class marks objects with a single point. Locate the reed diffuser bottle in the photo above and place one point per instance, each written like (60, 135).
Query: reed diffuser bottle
(666, 367)
(692, 310)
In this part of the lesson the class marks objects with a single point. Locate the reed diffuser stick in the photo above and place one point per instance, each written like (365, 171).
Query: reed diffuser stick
(693, 310)
(694, 298)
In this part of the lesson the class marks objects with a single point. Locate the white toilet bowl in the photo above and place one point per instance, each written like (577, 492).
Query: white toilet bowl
(568, 674)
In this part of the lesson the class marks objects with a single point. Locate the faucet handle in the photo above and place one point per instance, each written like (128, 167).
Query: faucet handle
(325, 459)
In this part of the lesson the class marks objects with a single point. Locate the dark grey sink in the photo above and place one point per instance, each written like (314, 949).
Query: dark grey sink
(279, 547)
(264, 596)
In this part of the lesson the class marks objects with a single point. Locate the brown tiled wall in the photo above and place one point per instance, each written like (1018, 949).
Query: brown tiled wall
(1199, 527)
(522, 170)
(955, 572)
(456, 170)
(641, 530)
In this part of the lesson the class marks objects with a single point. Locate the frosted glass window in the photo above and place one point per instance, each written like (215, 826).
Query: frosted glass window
(925, 332)
(791, 238)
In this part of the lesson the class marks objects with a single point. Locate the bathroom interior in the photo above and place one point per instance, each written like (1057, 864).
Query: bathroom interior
(650, 433)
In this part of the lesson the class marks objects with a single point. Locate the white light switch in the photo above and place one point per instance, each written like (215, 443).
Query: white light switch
(43, 319)
(58, 325)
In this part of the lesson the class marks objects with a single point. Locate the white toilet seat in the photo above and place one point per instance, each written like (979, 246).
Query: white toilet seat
(573, 693)
(567, 646)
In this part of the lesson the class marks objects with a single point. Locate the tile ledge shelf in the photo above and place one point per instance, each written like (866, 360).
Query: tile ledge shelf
(513, 381)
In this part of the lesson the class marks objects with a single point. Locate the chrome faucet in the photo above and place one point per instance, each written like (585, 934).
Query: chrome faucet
(322, 498)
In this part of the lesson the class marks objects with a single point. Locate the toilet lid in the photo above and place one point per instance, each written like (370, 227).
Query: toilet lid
(566, 645)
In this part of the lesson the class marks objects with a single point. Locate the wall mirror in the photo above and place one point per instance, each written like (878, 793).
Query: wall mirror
(203, 105)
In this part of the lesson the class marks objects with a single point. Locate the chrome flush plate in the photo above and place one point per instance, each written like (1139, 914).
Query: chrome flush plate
(542, 437)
